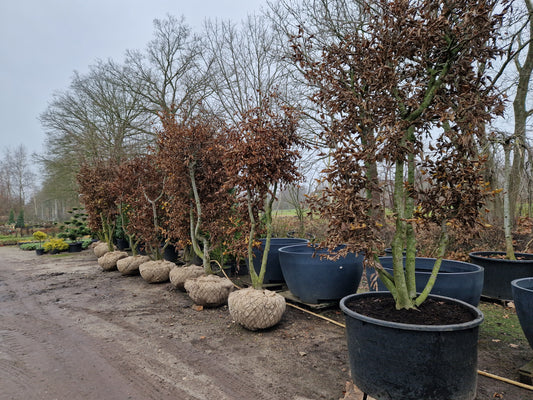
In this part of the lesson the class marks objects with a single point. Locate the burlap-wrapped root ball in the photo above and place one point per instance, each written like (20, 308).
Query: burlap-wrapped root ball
(100, 249)
(109, 260)
(178, 275)
(156, 271)
(256, 309)
(130, 265)
(209, 290)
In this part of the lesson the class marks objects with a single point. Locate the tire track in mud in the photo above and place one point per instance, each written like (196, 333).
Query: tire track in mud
(14, 375)
(180, 370)
(194, 368)
(120, 337)
(49, 357)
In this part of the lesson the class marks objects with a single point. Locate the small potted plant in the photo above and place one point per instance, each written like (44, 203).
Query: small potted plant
(406, 92)
(40, 236)
(262, 156)
(55, 245)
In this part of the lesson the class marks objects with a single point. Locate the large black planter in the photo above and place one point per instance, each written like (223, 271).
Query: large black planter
(395, 361)
(273, 272)
(523, 299)
(499, 273)
(456, 279)
(314, 279)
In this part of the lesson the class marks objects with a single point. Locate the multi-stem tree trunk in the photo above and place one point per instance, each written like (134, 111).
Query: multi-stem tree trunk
(196, 235)
(257, 279)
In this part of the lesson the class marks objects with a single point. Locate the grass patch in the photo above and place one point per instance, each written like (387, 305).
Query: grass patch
(501, 325)
(10, 240)
(284, 213)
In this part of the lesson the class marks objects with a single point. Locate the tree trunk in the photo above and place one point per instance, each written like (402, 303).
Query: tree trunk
(521, 115)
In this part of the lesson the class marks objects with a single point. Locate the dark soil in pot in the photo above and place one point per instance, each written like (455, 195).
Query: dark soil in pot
(431, 312)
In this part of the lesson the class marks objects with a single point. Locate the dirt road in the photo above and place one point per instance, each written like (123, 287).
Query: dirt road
(70, 331)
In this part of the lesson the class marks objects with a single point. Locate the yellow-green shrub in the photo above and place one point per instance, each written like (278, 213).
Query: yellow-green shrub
(40, 236)
(55, 244)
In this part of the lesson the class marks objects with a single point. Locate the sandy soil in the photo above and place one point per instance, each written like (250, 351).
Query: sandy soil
(68, 330)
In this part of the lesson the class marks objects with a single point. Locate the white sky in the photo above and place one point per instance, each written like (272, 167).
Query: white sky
(42, 42)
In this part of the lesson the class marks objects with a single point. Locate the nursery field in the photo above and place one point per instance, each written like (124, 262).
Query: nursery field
(70, 330)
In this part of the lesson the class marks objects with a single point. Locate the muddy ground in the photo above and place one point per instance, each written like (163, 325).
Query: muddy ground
(68, 330)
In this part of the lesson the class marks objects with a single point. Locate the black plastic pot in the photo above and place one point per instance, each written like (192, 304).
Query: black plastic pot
(75, 247)
(456, 279)
(523, 299)
(314, 279)
(273, 272)
(170, 253)
(499, 273)
(122, 244)
(394, 361)
(39, 252)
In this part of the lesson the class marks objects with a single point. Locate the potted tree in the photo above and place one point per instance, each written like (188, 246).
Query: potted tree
(74, 229)
(140, 199)
(406, 91)
(503, 267)
(190, 151)
(95, 186)
(40, 236)
(261, 157)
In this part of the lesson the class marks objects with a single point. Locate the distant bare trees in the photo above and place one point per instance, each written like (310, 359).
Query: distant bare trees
(108, 113)
(17, 180)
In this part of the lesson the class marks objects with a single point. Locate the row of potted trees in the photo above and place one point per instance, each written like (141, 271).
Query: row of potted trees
(406, 91)
(206, 188)
(421, 108)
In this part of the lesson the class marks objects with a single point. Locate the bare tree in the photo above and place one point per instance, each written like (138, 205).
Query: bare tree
(513, 74)
(244, 65)
(95, 119)
(169, 72)
(522, 109)
(18, 178)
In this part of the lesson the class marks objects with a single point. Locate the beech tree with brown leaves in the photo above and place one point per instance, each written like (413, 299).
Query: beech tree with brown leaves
(405, 92)
(141, 198)
(191, 152)
(95, 186)
(262, 156)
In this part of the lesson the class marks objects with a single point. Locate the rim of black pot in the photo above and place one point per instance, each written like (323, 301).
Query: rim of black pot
(480, 268)
(517, 282)
(484, 255)
(285, 238)
(476, 321)
(312, 246)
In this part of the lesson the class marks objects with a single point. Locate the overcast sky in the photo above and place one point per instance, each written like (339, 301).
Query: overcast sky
(43, 41)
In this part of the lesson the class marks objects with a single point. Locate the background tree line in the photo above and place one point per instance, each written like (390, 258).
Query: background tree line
(111, 111)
